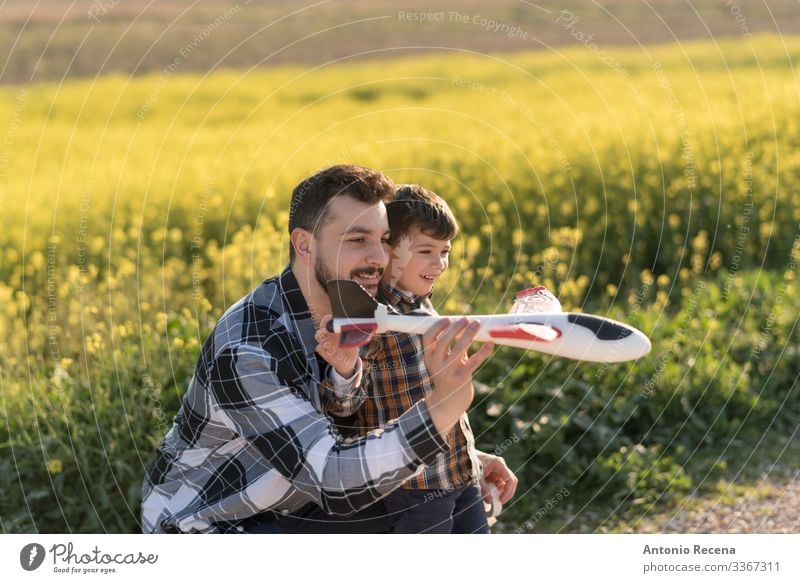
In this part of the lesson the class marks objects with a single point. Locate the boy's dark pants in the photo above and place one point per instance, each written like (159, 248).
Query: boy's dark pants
(437, 511)
(403, 511)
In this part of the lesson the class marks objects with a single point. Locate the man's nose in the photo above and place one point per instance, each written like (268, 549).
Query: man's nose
(378, 255)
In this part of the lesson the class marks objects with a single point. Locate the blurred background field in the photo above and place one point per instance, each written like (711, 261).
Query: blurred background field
(54, 39)
(654, 183)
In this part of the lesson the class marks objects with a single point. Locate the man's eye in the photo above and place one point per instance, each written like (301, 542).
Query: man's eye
(359, 240)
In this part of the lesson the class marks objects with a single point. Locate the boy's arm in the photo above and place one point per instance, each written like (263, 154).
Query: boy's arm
(340, 391)
(342, 397)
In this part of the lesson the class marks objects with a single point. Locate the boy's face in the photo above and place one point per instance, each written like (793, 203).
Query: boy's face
(416, 262)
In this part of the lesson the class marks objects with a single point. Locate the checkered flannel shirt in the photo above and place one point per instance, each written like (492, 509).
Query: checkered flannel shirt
(394, 380)
(250, 435)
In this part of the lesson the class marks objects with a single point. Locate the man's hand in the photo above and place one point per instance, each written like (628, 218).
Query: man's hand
(342, 359)
(450, 368)
(495, 471)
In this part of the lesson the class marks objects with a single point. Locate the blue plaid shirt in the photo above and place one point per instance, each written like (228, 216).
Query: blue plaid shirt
(251, 436)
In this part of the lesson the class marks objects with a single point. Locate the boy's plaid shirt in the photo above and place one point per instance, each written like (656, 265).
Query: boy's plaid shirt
(395, 378)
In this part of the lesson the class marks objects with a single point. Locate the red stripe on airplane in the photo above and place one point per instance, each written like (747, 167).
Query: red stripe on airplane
(354, 335)
(517, 332)
(530, 290)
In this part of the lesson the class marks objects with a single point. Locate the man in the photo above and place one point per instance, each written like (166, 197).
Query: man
(250, 450)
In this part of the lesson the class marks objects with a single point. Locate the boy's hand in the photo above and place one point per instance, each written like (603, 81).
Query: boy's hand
(495, 471)
(342, 359)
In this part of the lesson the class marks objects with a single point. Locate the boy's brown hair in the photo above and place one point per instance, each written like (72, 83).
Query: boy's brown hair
(415, 206)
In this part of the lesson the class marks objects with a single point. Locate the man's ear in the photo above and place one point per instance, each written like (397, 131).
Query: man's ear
(302, 242)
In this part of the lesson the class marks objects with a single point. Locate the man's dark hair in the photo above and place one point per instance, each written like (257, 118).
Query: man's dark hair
(310, 198)
(415, 206)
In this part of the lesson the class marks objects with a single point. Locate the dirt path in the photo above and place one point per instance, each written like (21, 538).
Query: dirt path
(772, 506)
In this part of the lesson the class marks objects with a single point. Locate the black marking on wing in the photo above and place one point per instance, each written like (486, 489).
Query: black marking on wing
(601, 328)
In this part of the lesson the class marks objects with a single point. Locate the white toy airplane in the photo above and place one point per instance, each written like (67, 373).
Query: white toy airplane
(535, 322)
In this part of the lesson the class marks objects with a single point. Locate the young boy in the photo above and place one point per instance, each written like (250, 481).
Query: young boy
(445, 496)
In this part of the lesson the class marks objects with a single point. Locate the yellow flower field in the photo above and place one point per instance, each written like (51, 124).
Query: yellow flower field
(135, 210)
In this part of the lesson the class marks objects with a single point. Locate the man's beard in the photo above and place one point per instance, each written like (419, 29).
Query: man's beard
(323, 274)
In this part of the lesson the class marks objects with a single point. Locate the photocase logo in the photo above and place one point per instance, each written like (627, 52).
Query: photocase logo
(31, 556)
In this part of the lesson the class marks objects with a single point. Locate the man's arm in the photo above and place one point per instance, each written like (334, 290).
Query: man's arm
(300, 443)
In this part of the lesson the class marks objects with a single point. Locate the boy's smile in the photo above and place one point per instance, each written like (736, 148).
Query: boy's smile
(417, 261)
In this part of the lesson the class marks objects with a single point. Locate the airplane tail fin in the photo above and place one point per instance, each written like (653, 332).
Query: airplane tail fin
(350, 300)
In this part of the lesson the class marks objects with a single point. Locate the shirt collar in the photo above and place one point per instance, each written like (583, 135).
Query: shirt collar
(298, 312)
(393, 296)
(294, 297)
